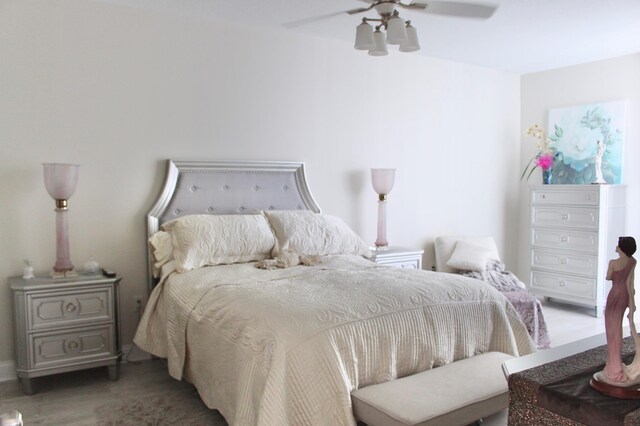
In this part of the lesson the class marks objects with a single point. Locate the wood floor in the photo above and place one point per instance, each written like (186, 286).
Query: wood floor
(146, 395)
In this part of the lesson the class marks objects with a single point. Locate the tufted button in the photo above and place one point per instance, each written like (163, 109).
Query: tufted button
(285, 187)
(240, 209)
(193, 188)
(226, 187)
(176, 211)
(271, 208)
(210, 209)
(299, 207)
(256, 187)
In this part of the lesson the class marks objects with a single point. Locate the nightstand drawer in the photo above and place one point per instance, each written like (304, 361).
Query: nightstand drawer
(566, 239)
(589, 197)
(572, 263)
(58, 348)
(565, 217)
(53, 310)
(410, 264)
(563, 285)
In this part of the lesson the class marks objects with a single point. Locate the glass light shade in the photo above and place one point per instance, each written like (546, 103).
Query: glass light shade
(412, 44)
(396, 31)
(381, 44)
(60, 180)
(364, 37)
(383, 180)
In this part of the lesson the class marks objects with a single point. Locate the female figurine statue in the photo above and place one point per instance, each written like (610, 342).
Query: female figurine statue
(621, 297)
(599, 155)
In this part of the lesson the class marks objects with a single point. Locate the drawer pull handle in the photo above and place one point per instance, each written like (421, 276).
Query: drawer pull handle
(562, 283)
(73, 345)
(71, 307)
(564, 239)
(565, 216)
(588, 197)
(563, 261)
(544, 196)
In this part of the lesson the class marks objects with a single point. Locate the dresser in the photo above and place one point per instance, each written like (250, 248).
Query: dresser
(399, 257)
(65, 324)
(573, 235)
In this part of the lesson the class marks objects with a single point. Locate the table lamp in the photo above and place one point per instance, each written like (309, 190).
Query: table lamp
(382, 180)
(60, 181)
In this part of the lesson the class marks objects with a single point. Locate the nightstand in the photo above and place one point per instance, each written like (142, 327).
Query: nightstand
(65, 324)
(398, 257)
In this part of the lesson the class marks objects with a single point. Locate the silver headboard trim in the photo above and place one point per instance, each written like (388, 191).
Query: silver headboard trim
(186, 180)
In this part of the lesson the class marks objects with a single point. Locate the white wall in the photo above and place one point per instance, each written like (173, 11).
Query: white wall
(610, 80)
(120, 90)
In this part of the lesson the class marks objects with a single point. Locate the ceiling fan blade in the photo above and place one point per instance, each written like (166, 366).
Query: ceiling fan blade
(458, 9)
(360, 10)
(305, 21)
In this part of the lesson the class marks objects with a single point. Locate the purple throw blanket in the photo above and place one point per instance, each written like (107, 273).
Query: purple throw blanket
(515, 291)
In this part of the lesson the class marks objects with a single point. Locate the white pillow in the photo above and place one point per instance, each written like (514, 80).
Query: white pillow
(201, 240)
(309, 233)
(469, 257)
(444, 246)
(161, 251)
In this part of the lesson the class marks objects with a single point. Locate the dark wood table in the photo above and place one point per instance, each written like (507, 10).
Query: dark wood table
(555, 389)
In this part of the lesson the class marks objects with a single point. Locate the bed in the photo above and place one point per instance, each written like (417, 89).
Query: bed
(287, 346)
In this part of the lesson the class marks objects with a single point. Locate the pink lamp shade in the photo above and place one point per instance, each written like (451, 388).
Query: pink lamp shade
(383, 180)
(60, 180)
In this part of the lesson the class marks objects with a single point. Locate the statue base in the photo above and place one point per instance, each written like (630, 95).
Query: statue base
(631, 392)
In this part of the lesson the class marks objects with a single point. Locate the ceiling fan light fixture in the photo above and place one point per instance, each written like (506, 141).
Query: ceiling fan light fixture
(364, 37)
(396, 31)
(381, 44)
(412, 44)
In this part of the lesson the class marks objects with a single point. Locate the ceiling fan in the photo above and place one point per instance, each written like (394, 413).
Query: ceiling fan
(400, 32)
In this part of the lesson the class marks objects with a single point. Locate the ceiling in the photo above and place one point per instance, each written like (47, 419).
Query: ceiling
(523, 36)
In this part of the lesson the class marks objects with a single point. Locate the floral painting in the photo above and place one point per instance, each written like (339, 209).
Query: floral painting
(575, 134)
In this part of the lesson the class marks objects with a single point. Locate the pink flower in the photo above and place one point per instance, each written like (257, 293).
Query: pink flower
(544, 161)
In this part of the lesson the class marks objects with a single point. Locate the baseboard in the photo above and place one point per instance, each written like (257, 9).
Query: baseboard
(7, 371)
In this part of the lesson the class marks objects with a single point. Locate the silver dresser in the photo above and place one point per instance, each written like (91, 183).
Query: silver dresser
(65, 324)
(574, 233)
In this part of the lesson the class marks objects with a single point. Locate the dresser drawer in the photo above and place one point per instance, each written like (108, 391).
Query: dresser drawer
(587, 197)
(404, 264)
(565, 217)
(568, 239)
(572, 263)
(563, 284)
(59, 348)
(56, 309)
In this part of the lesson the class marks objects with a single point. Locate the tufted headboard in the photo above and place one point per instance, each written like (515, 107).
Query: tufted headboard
(228, 187)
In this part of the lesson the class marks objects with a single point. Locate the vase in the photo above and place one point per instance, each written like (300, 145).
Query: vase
(546, 176)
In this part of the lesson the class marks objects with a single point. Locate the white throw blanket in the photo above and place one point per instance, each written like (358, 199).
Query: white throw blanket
(287, 346)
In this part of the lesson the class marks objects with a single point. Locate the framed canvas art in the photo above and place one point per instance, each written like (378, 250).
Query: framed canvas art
(576, 134)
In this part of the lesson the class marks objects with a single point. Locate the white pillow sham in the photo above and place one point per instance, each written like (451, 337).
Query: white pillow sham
(309, 233)
(202, 240)
(469, 257)
(161, 251)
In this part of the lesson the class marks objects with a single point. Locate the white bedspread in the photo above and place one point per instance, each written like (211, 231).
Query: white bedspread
(287, 347)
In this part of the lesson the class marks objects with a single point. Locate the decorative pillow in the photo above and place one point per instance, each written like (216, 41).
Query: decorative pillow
(201, 240)
(161, 251)
(309, 233)
(469, 257)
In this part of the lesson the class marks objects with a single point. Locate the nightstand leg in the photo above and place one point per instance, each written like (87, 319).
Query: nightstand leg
(28, 386)
(114, 372)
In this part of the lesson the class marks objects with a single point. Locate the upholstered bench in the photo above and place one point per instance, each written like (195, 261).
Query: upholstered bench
(454, 394)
